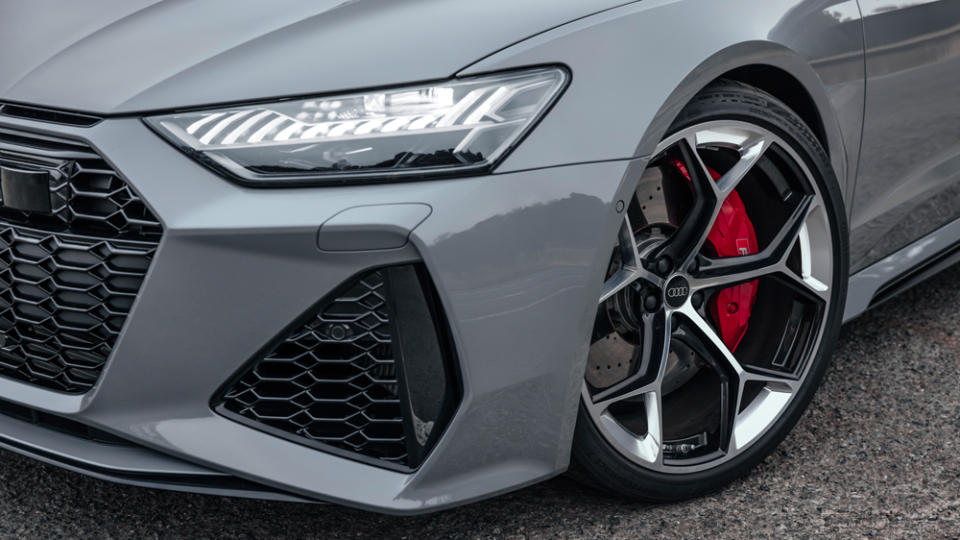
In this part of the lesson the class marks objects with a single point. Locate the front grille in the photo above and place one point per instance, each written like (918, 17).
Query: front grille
(366, 374)
(87, 196)
(68, 279)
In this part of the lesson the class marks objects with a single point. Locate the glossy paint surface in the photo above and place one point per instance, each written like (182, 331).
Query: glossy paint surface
(237, 264)
(123, 56)
(909, 182)
(646, 49)
(517, 256)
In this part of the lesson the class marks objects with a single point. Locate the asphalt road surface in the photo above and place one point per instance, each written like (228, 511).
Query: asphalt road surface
(876, 455)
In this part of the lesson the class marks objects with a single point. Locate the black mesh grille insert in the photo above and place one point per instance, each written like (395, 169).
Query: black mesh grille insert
(63, 301)
(68, 278)
(86, 195)
(333, 380)
(366, 374)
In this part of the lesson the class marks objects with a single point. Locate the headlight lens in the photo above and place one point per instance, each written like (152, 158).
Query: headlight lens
(445, 128)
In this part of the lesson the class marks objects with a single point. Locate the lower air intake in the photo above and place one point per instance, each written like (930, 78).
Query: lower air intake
(366, 374)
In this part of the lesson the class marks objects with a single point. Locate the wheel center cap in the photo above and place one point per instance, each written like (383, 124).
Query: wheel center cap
(676, 291)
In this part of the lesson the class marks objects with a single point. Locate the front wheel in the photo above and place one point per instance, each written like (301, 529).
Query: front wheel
(721, 304)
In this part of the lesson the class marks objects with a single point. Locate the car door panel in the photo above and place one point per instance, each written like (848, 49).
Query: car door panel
(908, 182)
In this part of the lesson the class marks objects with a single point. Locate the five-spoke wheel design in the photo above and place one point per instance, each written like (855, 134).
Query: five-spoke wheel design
(715, 299)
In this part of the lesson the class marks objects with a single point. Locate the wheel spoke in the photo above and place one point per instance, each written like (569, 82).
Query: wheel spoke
(814, 286)
(726, 274)
(709, 196)
(773, 259)
(649, 446)
(786, 238)
(715, 344)
(644, 383)
(631, 268)
(750, 154)
(755, 418)
(809, 286)
(709, 338)
(741, 427)
(737, 393)
(650, 359)
(808, 280)
(693, 231)
(653, 404)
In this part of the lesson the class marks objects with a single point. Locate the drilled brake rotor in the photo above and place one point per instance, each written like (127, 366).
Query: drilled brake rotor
(663, 202)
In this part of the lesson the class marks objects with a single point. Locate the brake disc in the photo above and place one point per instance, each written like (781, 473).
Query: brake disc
(611, 358)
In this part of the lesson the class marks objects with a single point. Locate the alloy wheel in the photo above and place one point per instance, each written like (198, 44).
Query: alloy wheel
(702, 340)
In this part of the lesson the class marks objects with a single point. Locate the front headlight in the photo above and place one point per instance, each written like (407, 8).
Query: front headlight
(463, 125)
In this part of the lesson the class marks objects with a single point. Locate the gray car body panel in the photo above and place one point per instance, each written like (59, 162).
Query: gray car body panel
(931, 248)
(517, 256)
(253, 253)
(124, 56)
(910, 165)
(645, 89)
(131, 465)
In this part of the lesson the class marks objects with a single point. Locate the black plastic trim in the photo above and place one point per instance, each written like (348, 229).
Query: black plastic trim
(925, 270)
(60, 424)
(53, 116)
(429, 385)
(446, 345)
(225, 482)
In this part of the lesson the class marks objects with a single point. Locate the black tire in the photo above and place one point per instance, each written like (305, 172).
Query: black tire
(594, 460)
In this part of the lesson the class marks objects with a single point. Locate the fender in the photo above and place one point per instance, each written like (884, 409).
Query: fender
(655, 68)
(652, 64)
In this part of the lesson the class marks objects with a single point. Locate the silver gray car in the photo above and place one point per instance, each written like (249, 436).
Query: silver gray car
(405, 255)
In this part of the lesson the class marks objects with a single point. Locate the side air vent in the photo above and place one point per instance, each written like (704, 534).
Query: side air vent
(367, 374)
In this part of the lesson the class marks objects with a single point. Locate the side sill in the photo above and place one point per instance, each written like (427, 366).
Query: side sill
(903, 269)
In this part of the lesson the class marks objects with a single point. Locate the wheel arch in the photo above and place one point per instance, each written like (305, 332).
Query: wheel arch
(785, 87)
(633, 70)
(775, 69)
(618, 133)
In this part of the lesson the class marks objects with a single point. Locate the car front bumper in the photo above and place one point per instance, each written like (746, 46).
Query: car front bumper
(516, 258)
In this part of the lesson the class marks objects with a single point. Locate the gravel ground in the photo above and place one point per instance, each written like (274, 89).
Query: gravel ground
(876, 455)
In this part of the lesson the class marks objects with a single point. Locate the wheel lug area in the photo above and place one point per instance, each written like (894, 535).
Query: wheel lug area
(651, 302)
(663, 265)
(697, 300)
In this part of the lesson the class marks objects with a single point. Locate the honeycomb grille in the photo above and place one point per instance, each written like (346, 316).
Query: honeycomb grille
(87, 196)
(68, 278)
(333, 380)
(63, 301)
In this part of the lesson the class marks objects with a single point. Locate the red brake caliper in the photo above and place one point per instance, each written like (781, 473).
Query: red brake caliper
(732, 235)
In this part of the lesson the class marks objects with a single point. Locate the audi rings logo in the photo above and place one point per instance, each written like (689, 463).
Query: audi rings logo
(677, 292)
